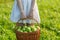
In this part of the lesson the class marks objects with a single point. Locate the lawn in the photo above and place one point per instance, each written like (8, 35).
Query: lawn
(49, 14)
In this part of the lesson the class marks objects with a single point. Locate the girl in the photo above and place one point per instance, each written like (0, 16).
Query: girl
(23, 9)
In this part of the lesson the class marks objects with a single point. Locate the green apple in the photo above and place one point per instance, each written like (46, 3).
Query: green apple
(35, 29)
(21, 30)
(29, 28)
(38, 27)
(18, 29)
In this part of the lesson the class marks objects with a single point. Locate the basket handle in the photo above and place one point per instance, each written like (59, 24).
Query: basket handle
(31, 19)
(25, 19)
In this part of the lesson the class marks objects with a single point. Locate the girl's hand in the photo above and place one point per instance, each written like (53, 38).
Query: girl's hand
(23, 16)
(30, 16)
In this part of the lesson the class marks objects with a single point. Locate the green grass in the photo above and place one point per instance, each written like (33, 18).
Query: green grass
(50, 20)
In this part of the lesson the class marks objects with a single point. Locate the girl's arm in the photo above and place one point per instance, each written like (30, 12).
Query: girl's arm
(32, 5)
(19, 3)
(31, 10)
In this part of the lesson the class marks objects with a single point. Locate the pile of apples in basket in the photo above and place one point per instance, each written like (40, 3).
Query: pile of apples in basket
(27, 29)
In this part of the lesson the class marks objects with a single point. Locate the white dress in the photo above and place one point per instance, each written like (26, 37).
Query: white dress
(15, 14)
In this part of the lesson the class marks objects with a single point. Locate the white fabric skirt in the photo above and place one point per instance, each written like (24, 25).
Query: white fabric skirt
(15, 14)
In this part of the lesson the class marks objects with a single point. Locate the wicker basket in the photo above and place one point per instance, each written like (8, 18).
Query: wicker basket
(28, 36)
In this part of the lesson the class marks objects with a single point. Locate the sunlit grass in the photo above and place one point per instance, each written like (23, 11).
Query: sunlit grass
(50, 18)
